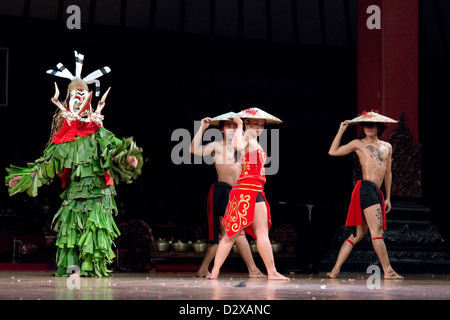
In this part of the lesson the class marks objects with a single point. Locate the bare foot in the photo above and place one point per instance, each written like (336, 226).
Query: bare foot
(277, 276)
(332, 275)
(212, 276)
(393, 276)
(201, 273)
(256, 274)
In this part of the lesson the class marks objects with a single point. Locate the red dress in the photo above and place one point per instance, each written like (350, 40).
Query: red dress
(240, 211)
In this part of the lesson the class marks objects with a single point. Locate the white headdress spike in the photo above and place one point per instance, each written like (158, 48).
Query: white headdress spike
(62, 72)
(96, 74)
(92, 78)
(97, 86)
(79, 58)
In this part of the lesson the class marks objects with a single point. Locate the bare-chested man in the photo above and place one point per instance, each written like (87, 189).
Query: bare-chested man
(228, 170)
(375, 157)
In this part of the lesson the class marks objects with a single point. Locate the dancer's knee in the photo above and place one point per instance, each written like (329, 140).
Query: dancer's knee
(355, 239)
(261, 232)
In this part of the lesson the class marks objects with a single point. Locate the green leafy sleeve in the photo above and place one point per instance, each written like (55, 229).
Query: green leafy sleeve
(114, 155)
(37, 173)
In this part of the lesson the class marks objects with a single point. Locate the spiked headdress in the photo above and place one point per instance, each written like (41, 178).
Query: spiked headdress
(77, 81)
(81, 98)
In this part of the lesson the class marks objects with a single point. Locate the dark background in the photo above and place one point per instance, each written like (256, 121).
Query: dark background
(175, 62)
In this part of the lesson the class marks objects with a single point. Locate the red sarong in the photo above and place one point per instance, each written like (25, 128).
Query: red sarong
(354, 215)
(240, 211)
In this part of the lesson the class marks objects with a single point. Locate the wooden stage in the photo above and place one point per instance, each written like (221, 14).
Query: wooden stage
(24, 285)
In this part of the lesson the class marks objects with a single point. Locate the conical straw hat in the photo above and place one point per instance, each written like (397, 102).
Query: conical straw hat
(256, 113)
(223, 117)
(372, 116)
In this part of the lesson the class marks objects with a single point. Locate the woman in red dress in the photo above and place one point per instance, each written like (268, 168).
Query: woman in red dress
(247, 207)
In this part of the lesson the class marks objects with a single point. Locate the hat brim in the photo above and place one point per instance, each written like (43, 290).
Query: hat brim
(223, 117)
(256, 113)
(372, 117)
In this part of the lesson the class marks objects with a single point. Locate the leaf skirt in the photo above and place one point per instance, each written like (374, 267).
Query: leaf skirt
(86, 230)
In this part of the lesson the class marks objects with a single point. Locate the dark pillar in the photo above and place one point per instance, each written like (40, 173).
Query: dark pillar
(388, 37)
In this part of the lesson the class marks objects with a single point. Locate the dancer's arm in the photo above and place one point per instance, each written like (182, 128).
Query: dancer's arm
(123, 159)
(239, 142)
(14, 181)
(388, 180)
(336, 150)
(30, 178)
(196, 144)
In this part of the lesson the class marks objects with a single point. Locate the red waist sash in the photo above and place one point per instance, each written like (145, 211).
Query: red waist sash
(354, 215)
(210, 213)
(240, 211)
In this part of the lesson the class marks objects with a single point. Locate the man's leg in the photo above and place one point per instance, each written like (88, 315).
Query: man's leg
(211, 252)
(346, 248)
(222, 252)
(374, 218)
(246, 254)
(209, 256)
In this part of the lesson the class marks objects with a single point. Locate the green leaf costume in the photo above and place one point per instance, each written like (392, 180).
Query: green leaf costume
(84, 222)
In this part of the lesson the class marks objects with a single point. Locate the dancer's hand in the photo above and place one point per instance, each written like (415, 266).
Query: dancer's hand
(387, 205)
(132, 161)
(344, 125)
(205, 123)
(237, 120)
(14, 181)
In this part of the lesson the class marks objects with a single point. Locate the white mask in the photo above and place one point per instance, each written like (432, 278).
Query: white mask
(78, 104)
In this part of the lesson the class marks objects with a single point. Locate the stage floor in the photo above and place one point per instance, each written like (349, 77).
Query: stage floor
(22, 285)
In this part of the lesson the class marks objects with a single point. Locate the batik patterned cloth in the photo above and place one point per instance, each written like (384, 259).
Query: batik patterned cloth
(240, 211)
